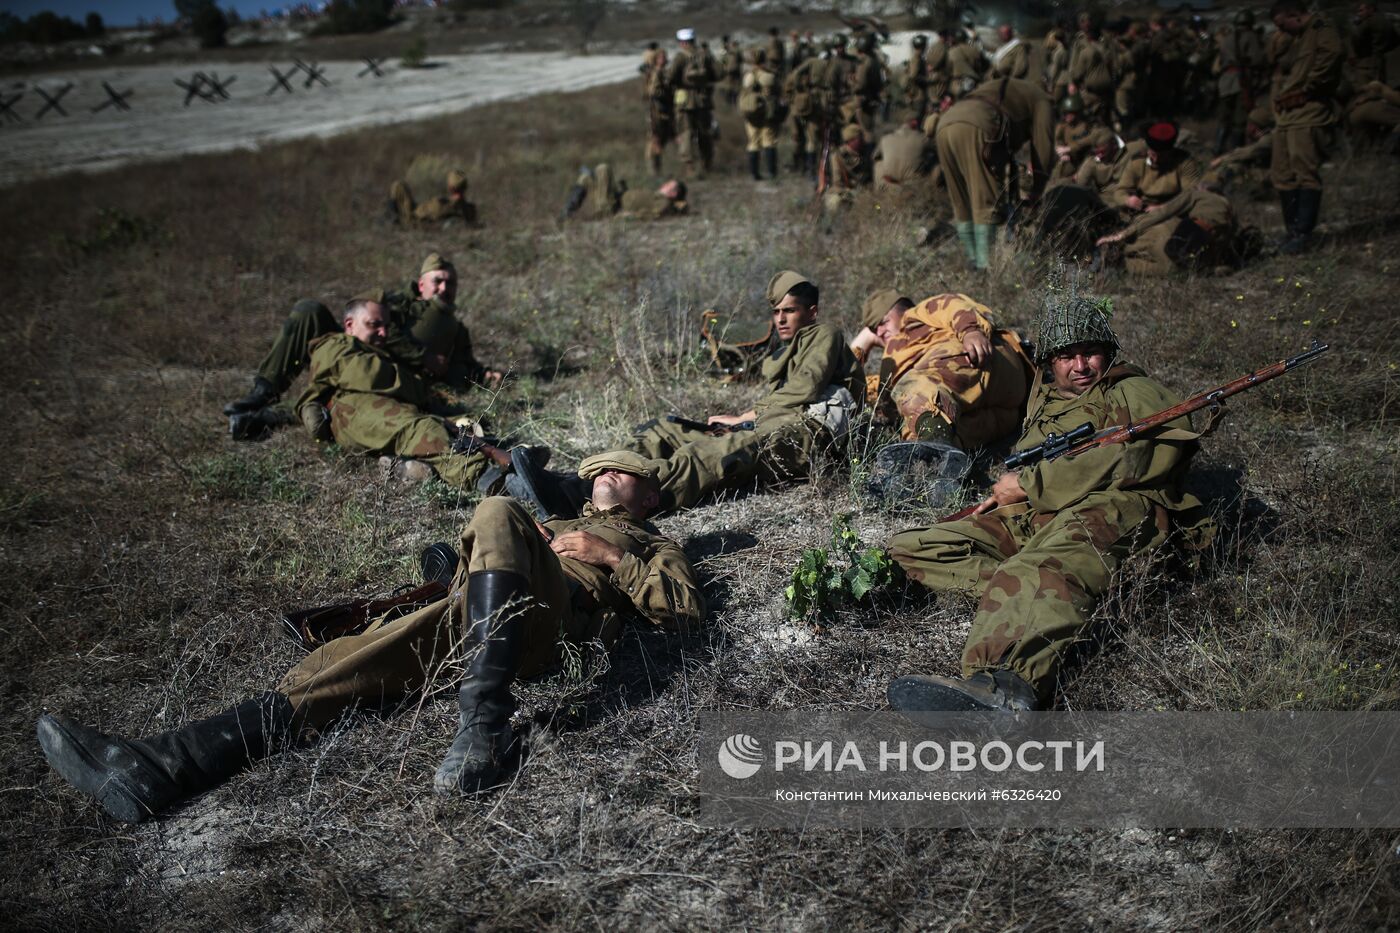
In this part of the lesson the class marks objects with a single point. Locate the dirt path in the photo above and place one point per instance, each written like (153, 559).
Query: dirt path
(159, 126)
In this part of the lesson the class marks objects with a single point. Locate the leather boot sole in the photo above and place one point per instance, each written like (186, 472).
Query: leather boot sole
(919, 693)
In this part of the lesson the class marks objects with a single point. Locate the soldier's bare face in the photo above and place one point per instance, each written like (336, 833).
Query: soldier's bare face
(440, 283)
(889, 325)
(1077, 368)
(634, 493)
(790, 316)
(369, 325)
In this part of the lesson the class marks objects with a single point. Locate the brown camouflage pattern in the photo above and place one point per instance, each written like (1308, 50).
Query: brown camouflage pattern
(930, 372)
(655, 581)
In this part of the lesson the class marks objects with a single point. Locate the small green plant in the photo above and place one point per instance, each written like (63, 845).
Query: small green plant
(828, 580)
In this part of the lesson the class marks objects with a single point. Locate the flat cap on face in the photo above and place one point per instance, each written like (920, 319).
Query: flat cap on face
(624, 461)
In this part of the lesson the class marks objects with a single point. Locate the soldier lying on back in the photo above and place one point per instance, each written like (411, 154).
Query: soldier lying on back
(598, 195)
(423, 333)
(1041, 549)
(435, 212)
(520, 594)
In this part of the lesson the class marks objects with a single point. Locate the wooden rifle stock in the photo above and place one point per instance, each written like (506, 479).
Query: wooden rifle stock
(1067, 445)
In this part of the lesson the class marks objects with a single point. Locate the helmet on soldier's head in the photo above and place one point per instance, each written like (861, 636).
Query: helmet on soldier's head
(1072, 103)
(868, 42)
(1068, 318)
(839, 40)
(920, 41)
(457, 181)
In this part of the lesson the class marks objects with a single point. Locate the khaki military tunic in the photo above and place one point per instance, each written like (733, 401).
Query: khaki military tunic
(978, 135)
(1174, 172)
(692, 76)
(899, 159)
(1041, 567)
(1012, 60)
(1371, 43)
(377, 404)
(815, 365)
(1147, 252)
(569, 603)
(1305, 105)
(932, 374)
(966, 65)
(1102, 176)
(763, 83)
(1091, 71)
(1075, 139)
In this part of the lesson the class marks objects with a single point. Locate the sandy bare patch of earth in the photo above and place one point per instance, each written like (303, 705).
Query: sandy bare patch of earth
(159, 126)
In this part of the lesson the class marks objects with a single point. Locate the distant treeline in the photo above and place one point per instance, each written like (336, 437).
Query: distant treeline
(48, 28)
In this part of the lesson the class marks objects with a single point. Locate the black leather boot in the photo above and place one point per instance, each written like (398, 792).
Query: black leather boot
(438, 562)
(1308, 206)
(986, 690)
(753, 166)
(1288, 203)
(255, 425)
(770, 161)
(547, 493)
(484, 742)
(262, 395)
(134, 779)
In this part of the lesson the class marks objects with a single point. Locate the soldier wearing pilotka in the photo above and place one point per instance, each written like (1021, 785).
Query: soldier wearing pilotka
(1041, 550)
(520, 594)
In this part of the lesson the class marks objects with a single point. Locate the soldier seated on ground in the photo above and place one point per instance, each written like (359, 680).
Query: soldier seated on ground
(1074, 138)
(848, 169)
(1042, 548)
(949, 373)
(437, 211)
(1194, 231)
(1160, 174)
(519, 594)
(598, 195)
(902, 158)
(368, 402)
(815, 387)
(423, 333)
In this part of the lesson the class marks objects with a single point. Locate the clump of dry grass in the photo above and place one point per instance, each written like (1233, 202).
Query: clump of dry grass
(146, 555)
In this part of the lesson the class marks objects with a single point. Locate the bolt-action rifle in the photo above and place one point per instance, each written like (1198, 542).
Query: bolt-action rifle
(690, 424)
(1084, 438)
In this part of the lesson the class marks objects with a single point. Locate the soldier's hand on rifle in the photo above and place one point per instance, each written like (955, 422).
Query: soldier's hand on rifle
(978, 348)
(588, 548)
(729, 420)
(1005, 491)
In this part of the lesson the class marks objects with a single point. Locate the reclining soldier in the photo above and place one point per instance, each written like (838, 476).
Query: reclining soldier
(424, 334)
(950, 373)
(1042, 548)
(435, 212)
(598, 195)
(815, 384)
(364, 399)
(518, 593)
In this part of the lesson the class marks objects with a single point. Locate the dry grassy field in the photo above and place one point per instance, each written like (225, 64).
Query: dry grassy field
(145, 555)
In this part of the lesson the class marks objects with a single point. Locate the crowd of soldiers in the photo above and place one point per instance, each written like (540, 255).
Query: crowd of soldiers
(985, 130)
(553, 559)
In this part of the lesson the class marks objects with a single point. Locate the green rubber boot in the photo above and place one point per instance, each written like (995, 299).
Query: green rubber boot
(982, 235)
(965, 237)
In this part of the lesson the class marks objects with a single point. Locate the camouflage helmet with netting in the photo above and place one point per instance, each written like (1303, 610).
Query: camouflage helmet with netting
(1069, 317)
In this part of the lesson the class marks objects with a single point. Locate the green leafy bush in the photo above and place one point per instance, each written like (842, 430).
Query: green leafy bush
(826, 581)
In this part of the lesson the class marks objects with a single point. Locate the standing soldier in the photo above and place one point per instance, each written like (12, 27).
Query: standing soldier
(775, 54)
(1372, 40)
(936, 70)
(1056, 57)
(1041, 550)
(692, 76)
(1240, 57)
(977, 141)
(759, 104)
(661, 115)
(1131, 56)
(1305, 110)
(1091, 74)
(800, 90)
(916, 78)
(966, 64)
(1012, 58)
(868, 83)
(731, 68)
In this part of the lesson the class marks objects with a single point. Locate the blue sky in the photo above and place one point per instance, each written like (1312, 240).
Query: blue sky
(118, 12)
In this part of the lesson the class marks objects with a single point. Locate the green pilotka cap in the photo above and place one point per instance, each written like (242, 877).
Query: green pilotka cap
(782, 283)
(873, 311)
(436, 262)
(624, 461)
(375, 295)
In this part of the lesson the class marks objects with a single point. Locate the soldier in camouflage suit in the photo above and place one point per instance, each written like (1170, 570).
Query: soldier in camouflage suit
(520, 595)
(424, 333)
(1042, 549)
(951, 374)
